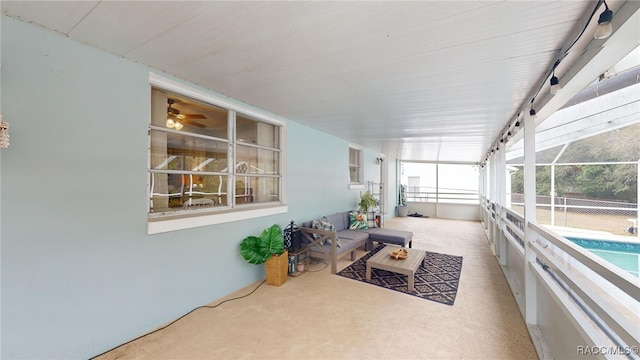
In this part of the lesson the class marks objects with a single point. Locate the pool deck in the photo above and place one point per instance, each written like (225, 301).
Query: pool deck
(593, 234)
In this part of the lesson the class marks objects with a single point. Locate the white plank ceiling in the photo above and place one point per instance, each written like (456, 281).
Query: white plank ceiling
(431, 81)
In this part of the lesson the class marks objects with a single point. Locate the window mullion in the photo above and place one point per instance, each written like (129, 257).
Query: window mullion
(281, 146)
(231, 183)
(186, 172)
(183, 133)
(258, 147)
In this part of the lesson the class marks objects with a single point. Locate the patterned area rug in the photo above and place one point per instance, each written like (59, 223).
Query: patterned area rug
(436, 279)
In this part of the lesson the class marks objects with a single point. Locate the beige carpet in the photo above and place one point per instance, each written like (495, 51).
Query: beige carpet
(323, 316)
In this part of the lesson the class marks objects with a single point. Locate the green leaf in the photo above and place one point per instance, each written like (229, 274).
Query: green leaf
(250, 250)
(271, 241)
(257, 250)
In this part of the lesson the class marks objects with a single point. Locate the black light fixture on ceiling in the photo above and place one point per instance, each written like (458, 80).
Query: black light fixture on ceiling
(555, 86)
(532, 113)
(604, 28)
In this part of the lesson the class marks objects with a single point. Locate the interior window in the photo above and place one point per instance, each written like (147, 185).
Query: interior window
(207, 158)
(355, 170)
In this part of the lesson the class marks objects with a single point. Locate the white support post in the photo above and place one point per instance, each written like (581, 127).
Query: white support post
(496, 202)
(501, 200)
(638, 202)
(486, 195)
(492, 184)
(480, 188)
(437, 191)
(531, 305)
(553, 193)
(553, 184)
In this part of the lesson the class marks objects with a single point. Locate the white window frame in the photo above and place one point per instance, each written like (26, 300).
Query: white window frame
(359, 184)
(160, 224)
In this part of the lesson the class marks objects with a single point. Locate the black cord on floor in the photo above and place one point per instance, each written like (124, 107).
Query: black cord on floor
(316, 263)
(176, 320)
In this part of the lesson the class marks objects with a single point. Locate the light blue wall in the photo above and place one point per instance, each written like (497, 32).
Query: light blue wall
(79, 272)
(1, 18)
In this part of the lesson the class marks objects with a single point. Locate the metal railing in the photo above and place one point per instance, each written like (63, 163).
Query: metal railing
(577, 205)
(415, 194)
(599, 298)
(514, 229)
(577, 280)
(611, 216)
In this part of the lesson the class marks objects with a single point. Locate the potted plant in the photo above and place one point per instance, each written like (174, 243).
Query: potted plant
(268, 248)
(366, 201)
(403, 210)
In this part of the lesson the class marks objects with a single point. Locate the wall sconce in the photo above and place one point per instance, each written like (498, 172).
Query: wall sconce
(379, 161)
(4, 134)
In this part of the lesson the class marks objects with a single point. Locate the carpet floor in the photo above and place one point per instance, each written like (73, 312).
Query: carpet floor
(436, 279)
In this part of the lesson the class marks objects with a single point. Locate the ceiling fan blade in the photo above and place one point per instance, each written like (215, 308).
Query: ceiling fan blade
(194, 116)
(193, 123)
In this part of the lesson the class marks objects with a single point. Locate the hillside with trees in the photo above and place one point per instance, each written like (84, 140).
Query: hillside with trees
(616, 182)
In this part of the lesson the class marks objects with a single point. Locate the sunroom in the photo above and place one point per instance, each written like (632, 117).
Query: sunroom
(147, 139)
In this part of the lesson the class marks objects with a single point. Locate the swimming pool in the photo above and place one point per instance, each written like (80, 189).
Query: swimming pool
(625, 255)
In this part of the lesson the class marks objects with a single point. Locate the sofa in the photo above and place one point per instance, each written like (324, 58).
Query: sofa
(331, 237)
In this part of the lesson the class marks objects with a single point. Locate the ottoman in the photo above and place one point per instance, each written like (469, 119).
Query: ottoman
(387, 236)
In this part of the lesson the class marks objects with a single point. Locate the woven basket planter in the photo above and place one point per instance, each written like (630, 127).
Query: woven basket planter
(277, 268)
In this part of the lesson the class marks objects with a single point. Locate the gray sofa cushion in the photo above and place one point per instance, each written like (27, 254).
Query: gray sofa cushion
(398, 237)
(338, 221)
(346, 246)
(356, 235)
(345, 218)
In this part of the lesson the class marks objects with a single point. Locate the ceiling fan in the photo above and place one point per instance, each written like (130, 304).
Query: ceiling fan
(174, 117)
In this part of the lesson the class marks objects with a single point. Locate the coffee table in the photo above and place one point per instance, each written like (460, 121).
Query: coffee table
(408, 266)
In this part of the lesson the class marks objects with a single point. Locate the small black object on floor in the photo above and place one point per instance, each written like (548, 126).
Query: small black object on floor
(417, 215)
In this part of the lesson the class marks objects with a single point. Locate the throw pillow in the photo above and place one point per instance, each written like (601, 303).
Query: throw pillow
(316, 224)
(357, 221)
(325, 225)
(371, 220)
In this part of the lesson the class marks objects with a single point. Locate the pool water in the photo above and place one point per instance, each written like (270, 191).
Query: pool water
(625, 255)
